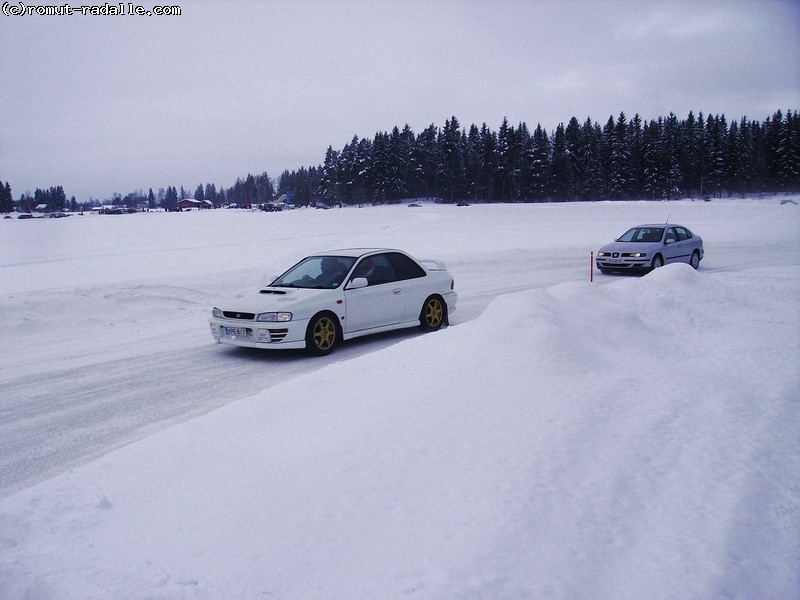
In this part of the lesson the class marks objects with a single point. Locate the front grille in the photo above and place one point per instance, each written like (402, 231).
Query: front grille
(239, 315)
(277, 335)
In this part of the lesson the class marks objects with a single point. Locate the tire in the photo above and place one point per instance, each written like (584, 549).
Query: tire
(605, 271)
(658, 261)
(322, 335)
(433, 314)
(695, 260)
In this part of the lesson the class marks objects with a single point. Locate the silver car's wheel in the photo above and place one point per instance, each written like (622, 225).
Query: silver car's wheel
(695, 261)
(658, 262)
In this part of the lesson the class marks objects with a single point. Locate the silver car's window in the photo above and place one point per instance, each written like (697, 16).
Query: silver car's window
(642, 234)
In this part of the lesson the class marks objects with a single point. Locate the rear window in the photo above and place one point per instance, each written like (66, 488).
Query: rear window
(404, 267)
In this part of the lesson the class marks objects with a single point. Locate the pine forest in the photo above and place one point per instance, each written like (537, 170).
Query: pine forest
(625, 159)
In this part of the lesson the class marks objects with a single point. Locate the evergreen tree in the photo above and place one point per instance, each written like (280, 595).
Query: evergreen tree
(472, 163)
(397, 157)
(379, 181)
(540, 166)
(594, 177)
(6, 199)
(786, 152)
(451, 174)
(577, 151)
(488, 151)
(634, 142)
(170, 201)
(426, 161)
(615, 136)
(210, 194)
(352, 167)
(329, 183)
(714, 155)
(505, 159)
(560, 183)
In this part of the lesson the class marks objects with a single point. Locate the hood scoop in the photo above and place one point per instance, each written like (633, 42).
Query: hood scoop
(273, 291)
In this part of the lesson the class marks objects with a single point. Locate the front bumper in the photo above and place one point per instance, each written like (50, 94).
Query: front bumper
(622, 264)
(252, 334)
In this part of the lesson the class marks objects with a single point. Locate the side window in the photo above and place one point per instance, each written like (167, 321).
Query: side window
(404, 267)
(683, 234)
(377, 269)
(671, 235)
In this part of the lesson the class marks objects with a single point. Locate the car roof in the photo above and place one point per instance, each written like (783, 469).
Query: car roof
(354, 252)
(659, 225)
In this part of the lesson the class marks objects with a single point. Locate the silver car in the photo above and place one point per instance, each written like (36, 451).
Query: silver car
(646, 247)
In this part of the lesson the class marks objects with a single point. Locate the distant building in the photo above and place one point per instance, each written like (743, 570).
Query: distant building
(192, 204)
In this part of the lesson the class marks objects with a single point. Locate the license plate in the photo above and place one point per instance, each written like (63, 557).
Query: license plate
(616, 261)
(237, 331)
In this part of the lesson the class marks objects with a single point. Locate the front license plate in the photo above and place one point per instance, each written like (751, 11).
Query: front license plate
(615, 261)
(237, 331)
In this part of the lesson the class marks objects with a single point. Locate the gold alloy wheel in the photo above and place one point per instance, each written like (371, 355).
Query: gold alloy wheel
(324, 334)
(433, 313)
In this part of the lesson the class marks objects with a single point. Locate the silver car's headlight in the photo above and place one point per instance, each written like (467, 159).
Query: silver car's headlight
(216, 313)
(604, 254)
(635, 254)
(275, 317)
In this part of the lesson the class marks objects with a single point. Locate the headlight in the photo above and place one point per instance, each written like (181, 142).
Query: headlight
(216, 313)
(275, 317)
(604, 254)
(635, 254)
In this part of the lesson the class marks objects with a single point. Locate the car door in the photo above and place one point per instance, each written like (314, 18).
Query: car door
(381, 303)
(416, 284)
(672, 248)
(679, 249)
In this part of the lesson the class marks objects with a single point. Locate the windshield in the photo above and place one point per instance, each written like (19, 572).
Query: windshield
(642, 234)
(317, 272)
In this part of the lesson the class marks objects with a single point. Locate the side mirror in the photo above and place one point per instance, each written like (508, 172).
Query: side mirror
(669, 240)
(358, 282)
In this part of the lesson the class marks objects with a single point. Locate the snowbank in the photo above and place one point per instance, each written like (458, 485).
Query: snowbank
(629, 440)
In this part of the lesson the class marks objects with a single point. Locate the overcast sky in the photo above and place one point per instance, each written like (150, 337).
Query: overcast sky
(102, 104)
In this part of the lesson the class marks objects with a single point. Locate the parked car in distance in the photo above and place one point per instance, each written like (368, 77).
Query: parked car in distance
(646, 247)
(414, 205)
(335, 296)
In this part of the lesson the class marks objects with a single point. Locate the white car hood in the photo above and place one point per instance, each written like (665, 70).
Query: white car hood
(272, 299)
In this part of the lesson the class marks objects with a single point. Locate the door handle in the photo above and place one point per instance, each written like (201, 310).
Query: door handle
(396, 290)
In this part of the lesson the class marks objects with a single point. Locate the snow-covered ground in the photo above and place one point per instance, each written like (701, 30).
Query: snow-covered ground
(635, 437)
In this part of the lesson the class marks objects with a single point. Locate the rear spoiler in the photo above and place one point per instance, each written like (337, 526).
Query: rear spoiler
(432, 264)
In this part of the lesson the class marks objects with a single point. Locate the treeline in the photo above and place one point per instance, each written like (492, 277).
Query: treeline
(250, 191)
(663, 158)
(49, 200)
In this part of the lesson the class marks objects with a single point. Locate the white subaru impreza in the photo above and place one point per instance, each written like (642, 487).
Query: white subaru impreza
(339, 295)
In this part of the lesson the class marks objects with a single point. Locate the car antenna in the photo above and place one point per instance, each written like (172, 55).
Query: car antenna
(667, 221)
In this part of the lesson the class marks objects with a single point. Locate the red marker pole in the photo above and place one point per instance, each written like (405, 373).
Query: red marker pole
(591, 266)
